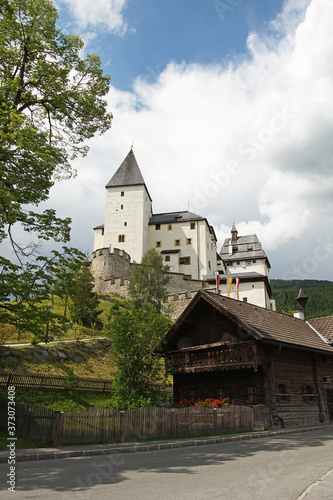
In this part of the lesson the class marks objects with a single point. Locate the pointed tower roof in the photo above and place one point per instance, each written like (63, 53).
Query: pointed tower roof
(128, 174)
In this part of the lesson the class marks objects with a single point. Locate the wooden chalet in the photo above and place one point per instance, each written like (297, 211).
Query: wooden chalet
(224, 348)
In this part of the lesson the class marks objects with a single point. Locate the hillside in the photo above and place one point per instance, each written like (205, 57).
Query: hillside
(320, 295)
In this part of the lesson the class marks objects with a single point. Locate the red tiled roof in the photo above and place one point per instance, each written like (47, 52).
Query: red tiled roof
(324, 326)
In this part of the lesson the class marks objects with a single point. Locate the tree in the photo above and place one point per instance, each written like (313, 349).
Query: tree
(148, 282)
(31, 288)
(136, 335)
(64, 272)
(84, 301)
(51, 101)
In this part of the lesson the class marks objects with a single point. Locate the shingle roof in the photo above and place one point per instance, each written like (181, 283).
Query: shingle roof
(128, 174)
(246, 247)
(324, 326)
(175, 217)
(264, 324)
(172, 217)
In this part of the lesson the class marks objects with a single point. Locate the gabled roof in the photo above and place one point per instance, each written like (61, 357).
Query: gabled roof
(324, 326)
(128, 174)
(245, 248)
(263, 324)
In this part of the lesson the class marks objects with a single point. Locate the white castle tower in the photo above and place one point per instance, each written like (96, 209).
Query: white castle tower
(128, 210)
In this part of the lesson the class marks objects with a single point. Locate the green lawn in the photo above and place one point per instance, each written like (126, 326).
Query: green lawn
(20, 444)
(61, 400)
(9, 333)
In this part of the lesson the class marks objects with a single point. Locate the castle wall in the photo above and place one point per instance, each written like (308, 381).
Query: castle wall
(192, 240)
(111, 272)
(107, 266)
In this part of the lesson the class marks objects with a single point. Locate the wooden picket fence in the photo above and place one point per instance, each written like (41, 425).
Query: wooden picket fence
(102, 425)
(31, 422)
(33, 381)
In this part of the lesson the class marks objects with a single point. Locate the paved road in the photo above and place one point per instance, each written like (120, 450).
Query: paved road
(278, 468)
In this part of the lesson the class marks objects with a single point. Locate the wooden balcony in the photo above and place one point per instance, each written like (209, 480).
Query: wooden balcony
(214, 357)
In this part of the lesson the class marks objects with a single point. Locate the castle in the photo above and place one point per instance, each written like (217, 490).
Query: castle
(187, 242)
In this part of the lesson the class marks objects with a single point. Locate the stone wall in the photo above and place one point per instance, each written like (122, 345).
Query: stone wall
(111, 271)
(108, 266)
(180, 301)
(23, 358)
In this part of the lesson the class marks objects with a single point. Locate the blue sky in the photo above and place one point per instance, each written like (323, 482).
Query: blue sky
(229, 104)
(156, 32)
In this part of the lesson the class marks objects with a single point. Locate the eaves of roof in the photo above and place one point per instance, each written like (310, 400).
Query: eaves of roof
(263, 324)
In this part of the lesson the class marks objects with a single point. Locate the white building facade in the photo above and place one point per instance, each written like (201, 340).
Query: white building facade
(186, 240)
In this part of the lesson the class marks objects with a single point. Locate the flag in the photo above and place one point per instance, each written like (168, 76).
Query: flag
(218, 279)
(237, 287)
(229, 285)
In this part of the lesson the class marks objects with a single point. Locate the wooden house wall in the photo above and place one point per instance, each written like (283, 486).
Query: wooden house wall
(324, 368)
(296, 385)
(300, 390)
(206, 325)
(242, 387)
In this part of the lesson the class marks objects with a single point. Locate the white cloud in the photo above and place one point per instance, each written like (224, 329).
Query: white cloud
(105, 14)
(249, 143)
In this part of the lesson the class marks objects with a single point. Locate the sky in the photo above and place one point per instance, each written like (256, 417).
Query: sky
(229, 107)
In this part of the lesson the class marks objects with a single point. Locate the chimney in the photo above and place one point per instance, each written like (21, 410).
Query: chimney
(302, 300)
(299, 315)
(234, 233)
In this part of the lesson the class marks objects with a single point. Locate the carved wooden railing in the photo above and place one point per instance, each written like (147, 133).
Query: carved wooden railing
(214, 357)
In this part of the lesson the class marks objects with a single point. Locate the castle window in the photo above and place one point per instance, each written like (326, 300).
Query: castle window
(169, 227)
(234, 249)
(121, 207)
(185, 260)
(238, 263)
(192, 225)
(157, 226)
(177, 243)
(167, 258)
(121, 238)
(125, 223)
(248, 262)
(209, 265)
(158, 244)
(244, 299)
(254, 261)
(188, 241)
(122, 193)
